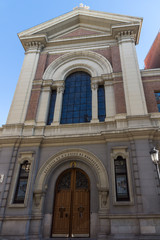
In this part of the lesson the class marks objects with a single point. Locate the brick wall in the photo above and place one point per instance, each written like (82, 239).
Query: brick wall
(79, 32)
(33, 103)
(116, 61)
(51, 58)
(119, 96)
(149, 89)
(41, 66)
(112, 54)
(105, 53)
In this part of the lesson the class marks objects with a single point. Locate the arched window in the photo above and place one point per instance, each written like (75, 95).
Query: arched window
(22, 182)
(77, 106)
(121, 179)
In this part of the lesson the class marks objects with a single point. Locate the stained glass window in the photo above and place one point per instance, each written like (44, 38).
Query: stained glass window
(77, 107)
(51, 108)
(22, 183)
(122, 193)
(101, 104)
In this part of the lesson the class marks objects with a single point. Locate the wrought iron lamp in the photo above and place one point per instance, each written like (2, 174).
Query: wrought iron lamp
(155, 159)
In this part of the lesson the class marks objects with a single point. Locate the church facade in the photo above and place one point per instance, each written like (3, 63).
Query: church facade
(74, 152)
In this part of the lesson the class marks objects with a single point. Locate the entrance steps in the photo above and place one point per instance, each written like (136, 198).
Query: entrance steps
(71, 238)
(133, 238)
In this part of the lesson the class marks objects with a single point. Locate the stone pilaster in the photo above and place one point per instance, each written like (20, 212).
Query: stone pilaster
(21, 98)
(109, 99)
(94, 103)
(58, 105)
(134, 93)
(43, 107)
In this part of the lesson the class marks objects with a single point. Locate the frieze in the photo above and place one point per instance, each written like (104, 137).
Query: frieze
(71, 154)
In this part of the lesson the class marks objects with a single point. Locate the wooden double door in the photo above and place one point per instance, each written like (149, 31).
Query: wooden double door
(71, 216)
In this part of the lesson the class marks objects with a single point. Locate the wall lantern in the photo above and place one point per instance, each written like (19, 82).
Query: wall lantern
(155, 159)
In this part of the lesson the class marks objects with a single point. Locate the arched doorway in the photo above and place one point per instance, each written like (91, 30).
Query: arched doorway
(71, 215)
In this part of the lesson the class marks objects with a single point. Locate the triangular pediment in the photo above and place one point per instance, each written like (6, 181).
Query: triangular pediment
(80, 23)
(78, 32)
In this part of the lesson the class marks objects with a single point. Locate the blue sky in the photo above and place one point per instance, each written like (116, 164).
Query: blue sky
(19, 15)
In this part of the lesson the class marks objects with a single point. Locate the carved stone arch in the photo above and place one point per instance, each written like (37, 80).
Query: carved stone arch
(120, 151)
(72, 154)
(91, 62)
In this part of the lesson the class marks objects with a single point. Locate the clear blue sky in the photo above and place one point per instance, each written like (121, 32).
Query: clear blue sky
(19, 15)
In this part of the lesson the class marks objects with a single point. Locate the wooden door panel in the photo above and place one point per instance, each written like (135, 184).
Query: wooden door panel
(80, 222)
(71, 209)
(62, 213)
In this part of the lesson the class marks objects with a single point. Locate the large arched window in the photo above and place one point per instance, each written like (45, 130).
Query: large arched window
(77, 106)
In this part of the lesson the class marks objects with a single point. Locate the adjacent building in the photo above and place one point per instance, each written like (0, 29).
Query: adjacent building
(152, 59)
(74, 152)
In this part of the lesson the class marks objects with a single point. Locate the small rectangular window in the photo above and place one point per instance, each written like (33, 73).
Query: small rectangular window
(121, 180)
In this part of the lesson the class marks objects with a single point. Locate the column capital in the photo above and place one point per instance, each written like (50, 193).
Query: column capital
(60, 89)
(126, 36)
(94, 86)
(33, 46)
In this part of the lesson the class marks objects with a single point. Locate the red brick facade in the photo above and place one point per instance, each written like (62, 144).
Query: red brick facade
(112, 54)
(51, 58)
(41, 66)
(80, 32)
(151, 86)
(119, 96)
(33, 103)
(116, 61)
(105, 53)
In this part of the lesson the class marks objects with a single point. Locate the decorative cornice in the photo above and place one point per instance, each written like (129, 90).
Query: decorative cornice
(33, 46)
(128, 32)
(125, 36)
(150, 72)
(33, 43)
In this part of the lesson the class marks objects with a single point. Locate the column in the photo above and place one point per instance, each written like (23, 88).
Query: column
(58, 106)
(21, 97)
(133, 88)
(94, 103)
(43, 107)
(109, 100)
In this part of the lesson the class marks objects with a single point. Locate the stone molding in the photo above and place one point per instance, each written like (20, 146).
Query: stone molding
(123, 152)
(33, 46)
(25, 156)
(69, 155)
(81, 155)
(127, 32)
(91, 62)
(22, 156)
(127, 35)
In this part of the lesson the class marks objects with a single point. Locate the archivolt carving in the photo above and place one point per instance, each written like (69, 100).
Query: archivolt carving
(73, 154)
(91, 62)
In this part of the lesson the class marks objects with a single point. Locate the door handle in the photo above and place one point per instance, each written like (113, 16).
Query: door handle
(80, 210)
(61, 210)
